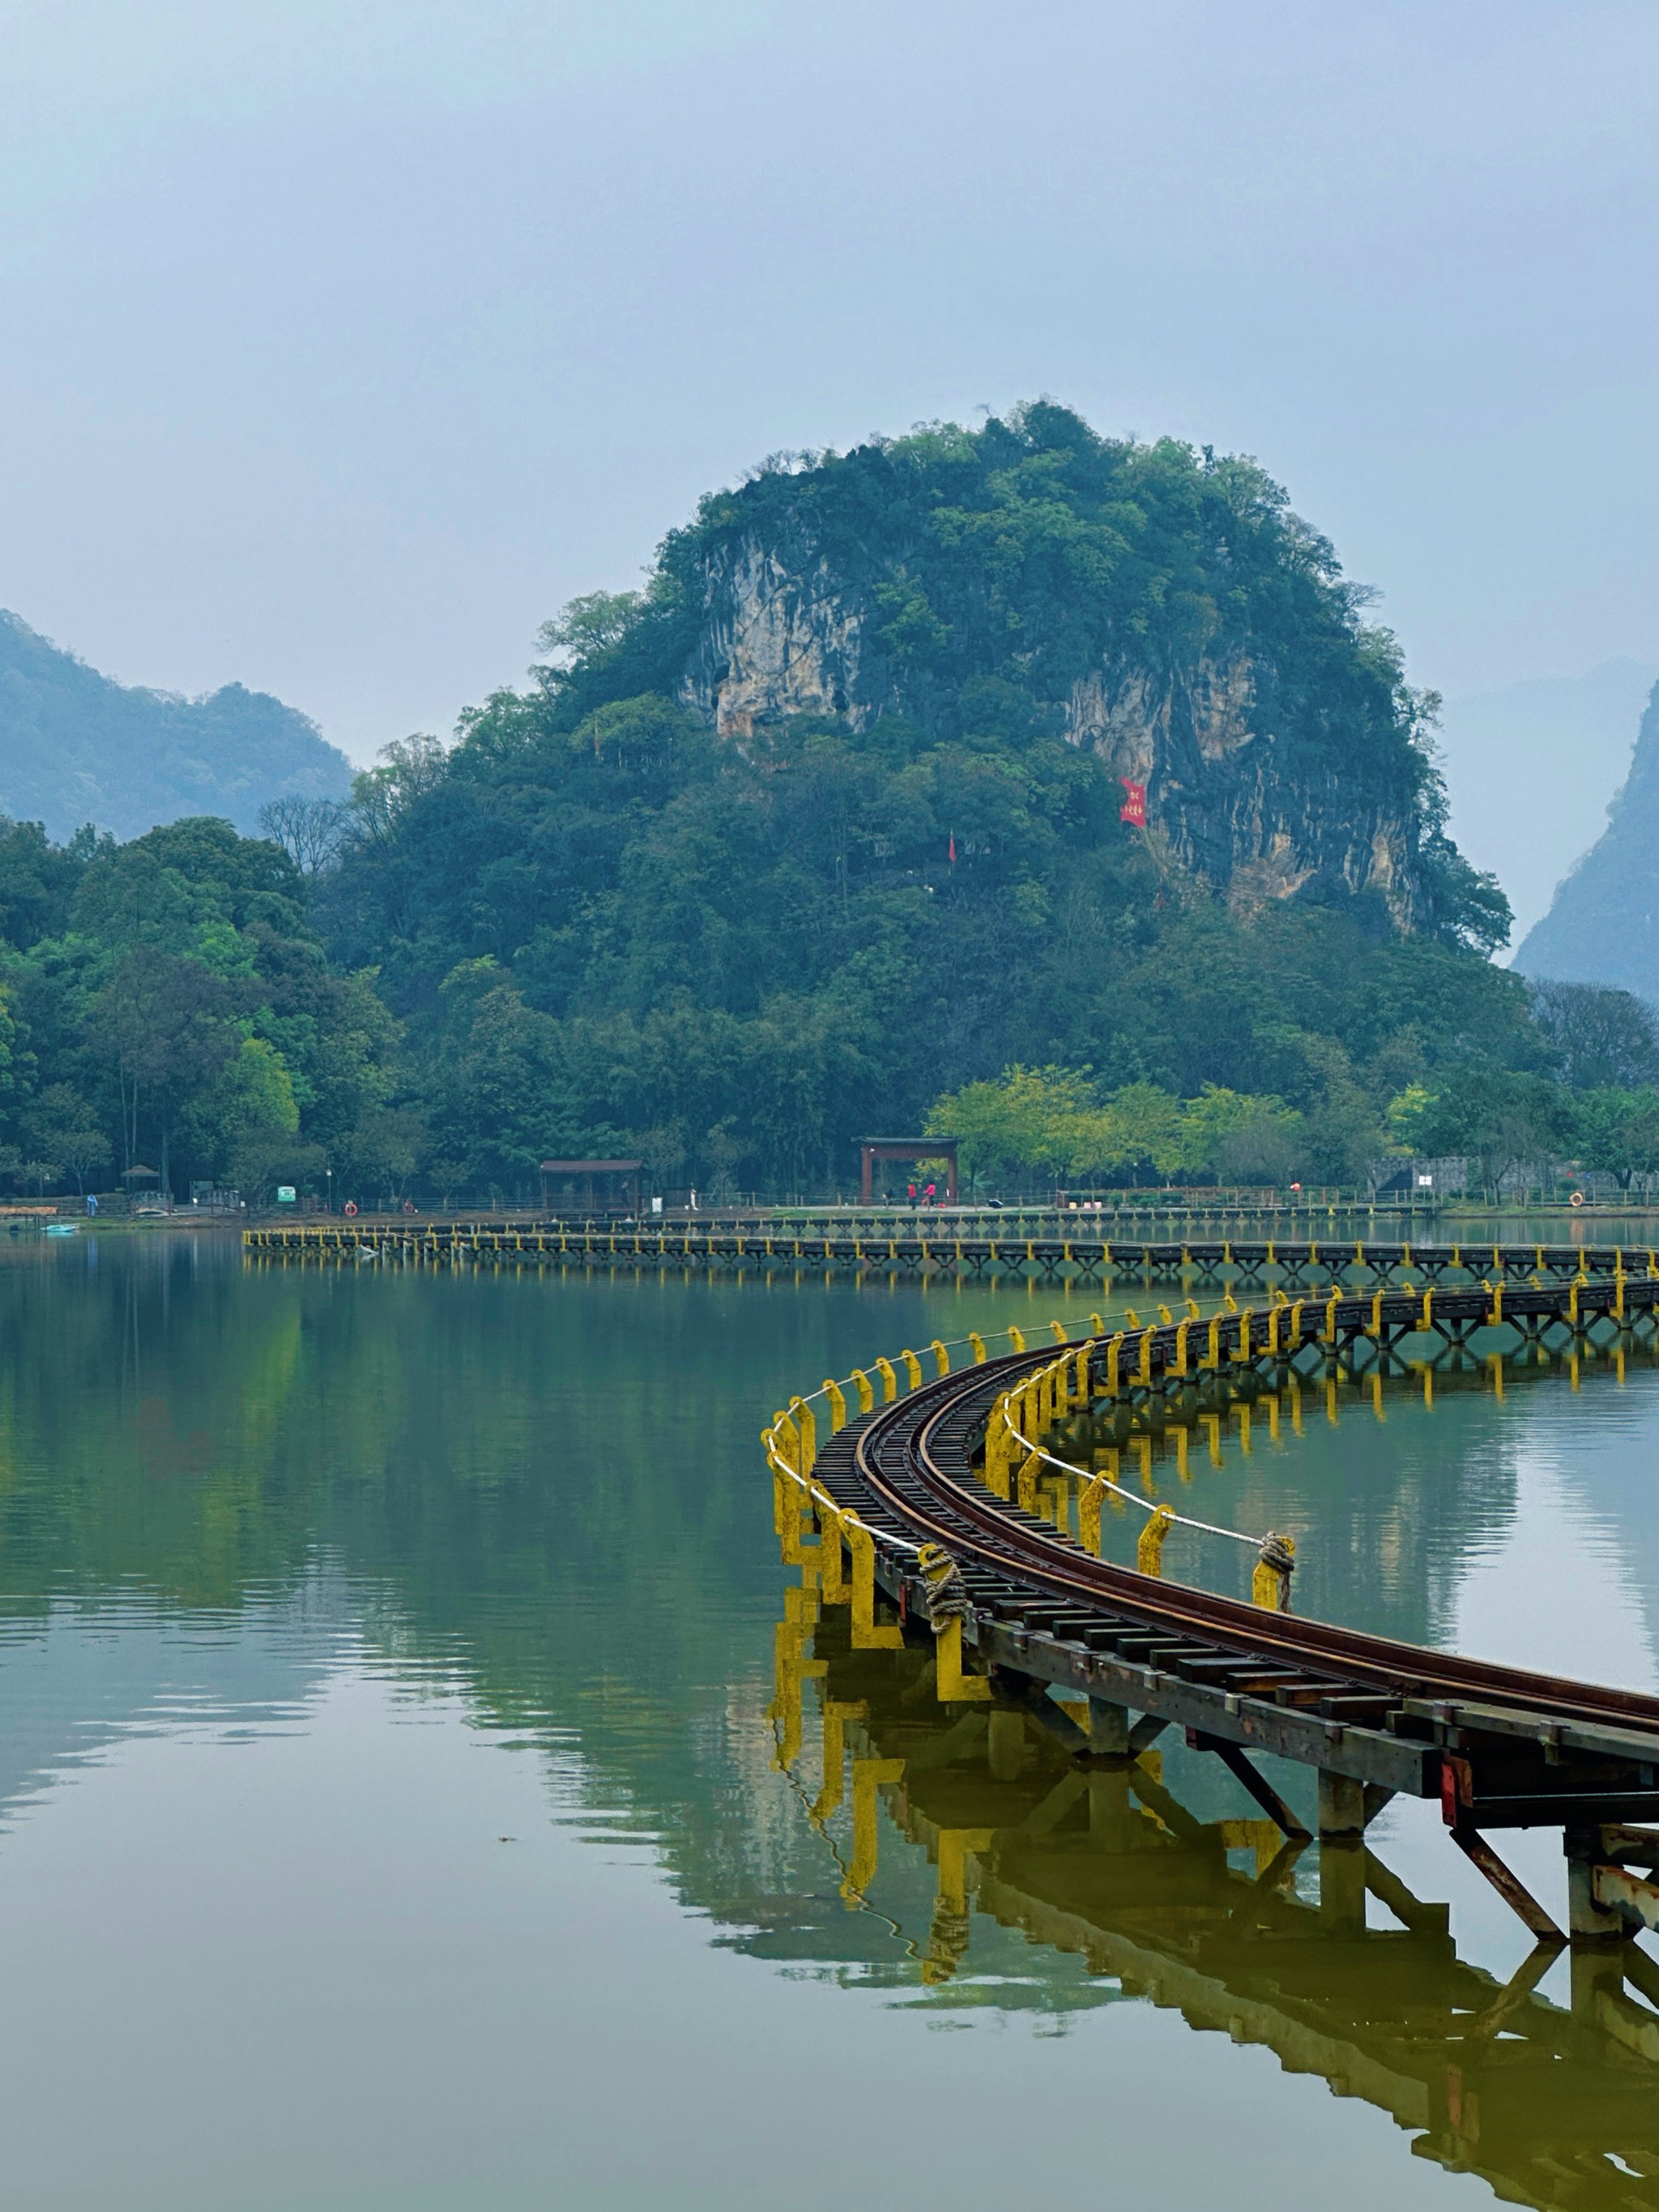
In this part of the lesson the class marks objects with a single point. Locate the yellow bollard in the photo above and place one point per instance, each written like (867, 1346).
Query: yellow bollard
(1214, 1357)
(1029, 1474)
(1112, 1351)
(1149, 1551)
(912, 1371)
(1096, 1324)
(832, 1583)
(1270, 1584)
(977, 1345)
(807, 1429)
(1088, 1517)
(941, 1357)
(1329, 1333)
(836, 1396)
(1016, 1339)
(1080, 1389)
(1058, 1331)
(861, 1381)
(889, 1380)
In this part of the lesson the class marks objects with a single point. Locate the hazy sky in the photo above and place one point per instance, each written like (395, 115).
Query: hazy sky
(340, 343)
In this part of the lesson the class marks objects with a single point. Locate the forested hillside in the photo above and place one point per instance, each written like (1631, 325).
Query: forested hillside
(76, 747)
(824, 833)
(825, 822)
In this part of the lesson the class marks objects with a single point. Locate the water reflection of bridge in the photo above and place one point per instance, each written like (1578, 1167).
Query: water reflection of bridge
(1552, 2106)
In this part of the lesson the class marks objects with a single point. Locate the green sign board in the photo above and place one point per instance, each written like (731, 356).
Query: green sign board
(286, 1193)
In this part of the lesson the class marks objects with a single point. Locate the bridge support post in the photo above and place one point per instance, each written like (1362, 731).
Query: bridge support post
(1590, 1926)
(1004, 1744)
(1342, 1850)
(1109, 1728)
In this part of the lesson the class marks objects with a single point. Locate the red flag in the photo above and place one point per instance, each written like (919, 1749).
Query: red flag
(953, 849)
(1134, 810)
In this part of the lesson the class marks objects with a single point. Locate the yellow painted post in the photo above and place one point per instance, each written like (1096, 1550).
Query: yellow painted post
(1113, 1349)
(861, 1382)
(1057, 1330)
(1573, 1307)
(889, 1380)
(865, 1635)
(912, 1371)
(838, 1398)
(1016, 1339)
(954, 1687)
(1213, 1357)
(1149, 1551)
(1245, 1320)
(807, 1429)
(1029, 1474)
(1328, 1335)
(1272, 1332)
(941, 1357)
(1088, 1517)
(1377, 1316)
(1096, 1324)
(1495, 1317)
(832, 1583)
(1081, 1386)
(1145, 1355)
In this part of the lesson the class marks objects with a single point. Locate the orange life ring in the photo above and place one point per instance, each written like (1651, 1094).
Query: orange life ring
(351, 1205)
(1578, 1198)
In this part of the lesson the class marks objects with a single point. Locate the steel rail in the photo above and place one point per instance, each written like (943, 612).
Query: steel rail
(934, 1495)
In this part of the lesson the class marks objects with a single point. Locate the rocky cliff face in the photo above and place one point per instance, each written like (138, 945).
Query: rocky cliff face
(1230, 799)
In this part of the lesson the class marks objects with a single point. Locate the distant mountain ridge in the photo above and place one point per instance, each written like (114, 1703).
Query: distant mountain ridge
(77, 746)
(1530, 768)
(1603, 927)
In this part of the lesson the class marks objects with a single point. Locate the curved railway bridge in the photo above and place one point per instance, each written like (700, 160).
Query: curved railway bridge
(927, 1505)
(1268, 1263)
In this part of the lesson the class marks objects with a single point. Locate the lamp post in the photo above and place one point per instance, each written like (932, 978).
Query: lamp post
(329, 1201)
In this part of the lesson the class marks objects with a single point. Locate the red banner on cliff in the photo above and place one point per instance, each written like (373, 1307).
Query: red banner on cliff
(1134, 810)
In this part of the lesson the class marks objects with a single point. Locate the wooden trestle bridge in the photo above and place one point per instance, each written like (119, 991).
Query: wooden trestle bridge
(1241, 1264)
(937, 1502)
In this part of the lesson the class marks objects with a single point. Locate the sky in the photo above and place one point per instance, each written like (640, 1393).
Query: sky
(342, 341)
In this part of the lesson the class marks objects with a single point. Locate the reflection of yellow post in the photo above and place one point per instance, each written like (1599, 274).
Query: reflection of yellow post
(868, 1775)
(836, 1714)
(790, 1667)
(1213, 1423)
(1182, 1442)
(1144, 1453)
(1244, 1429)
(947, 1939)
(1377, 1394)
(866, 1636)
(1331, 1412)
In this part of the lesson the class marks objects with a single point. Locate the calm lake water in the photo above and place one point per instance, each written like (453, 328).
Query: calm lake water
(391, 1812)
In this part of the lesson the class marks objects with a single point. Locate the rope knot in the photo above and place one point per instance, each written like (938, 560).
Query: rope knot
(947, 1594)
(1279, 1553)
